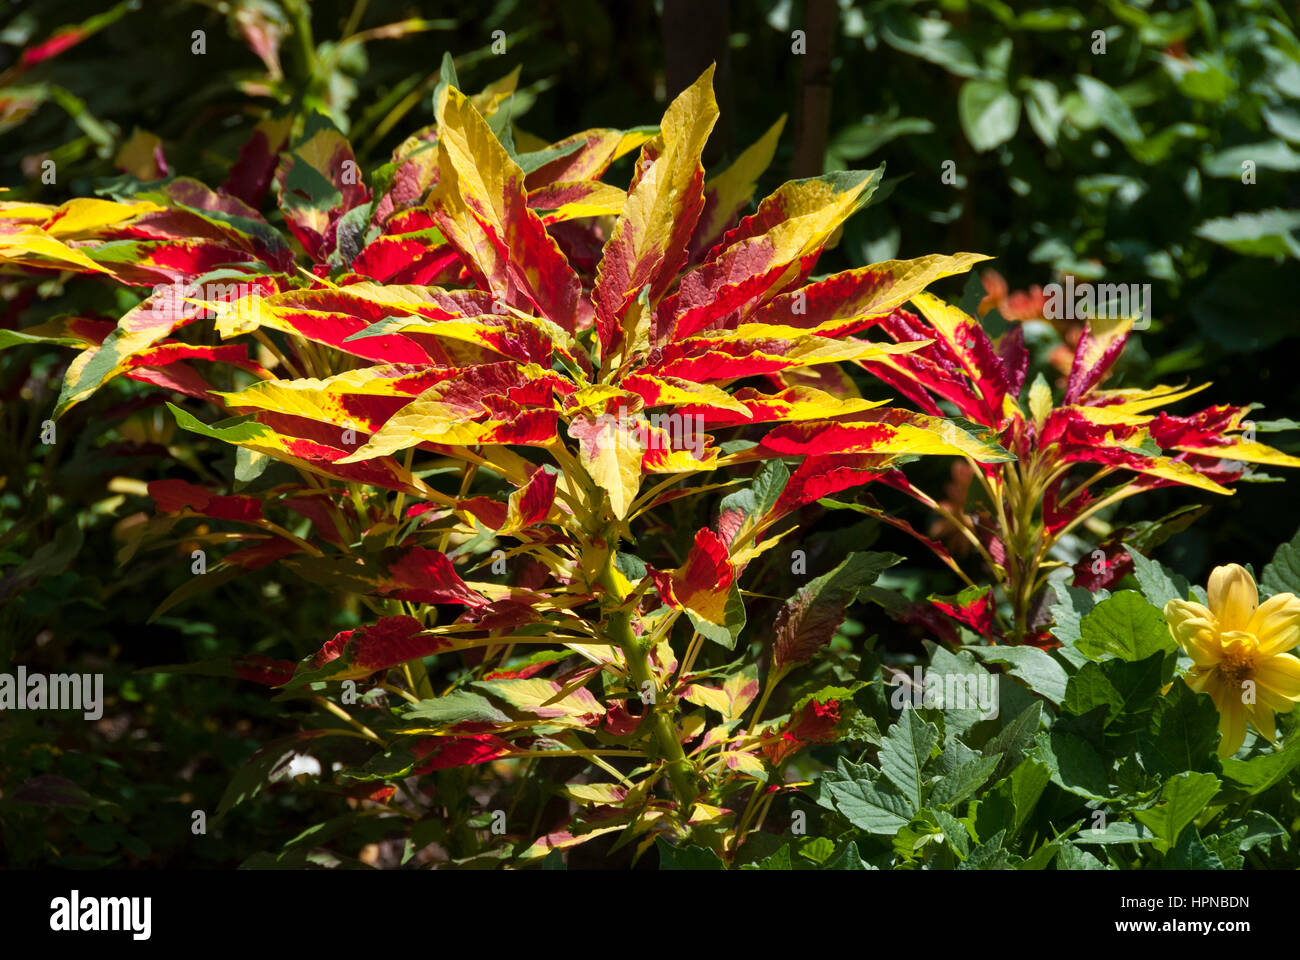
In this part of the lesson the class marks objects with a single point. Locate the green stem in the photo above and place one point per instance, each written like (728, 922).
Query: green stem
(618, 625)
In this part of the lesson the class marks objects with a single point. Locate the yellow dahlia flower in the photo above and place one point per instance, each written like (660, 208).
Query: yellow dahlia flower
(1239, 652)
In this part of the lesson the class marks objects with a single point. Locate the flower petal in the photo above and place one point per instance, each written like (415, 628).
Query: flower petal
(1262, 718)
(1195, 630)
(1233, 597)
(1281, 675)
(1232, 725)
(1276, 624)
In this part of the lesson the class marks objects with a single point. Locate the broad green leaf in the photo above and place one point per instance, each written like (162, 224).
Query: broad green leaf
(1119, 832)
(968, 778)
(1270, 233)
(1016, 737)
(459, 706)
(1124, 626)
(954, 832)
(988, 856)
(849, 859)
(1072, 605)
(1070, 857)
(1113, 112)
(877, 808)
(1282, 573)
(1259, 773)
(989, 113)
(1182, 798)
(959, 675)
(1183, 734)
(1158, 585)
(1074, 765)
(1034, 666)
(905, 752)
(1126, 689)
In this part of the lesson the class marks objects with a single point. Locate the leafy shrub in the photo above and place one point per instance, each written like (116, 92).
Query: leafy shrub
(546, 640)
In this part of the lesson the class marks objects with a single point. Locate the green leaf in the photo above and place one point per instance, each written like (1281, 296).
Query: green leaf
(1126, 689)
(759, 497)
(1269, 233)
(1158, 585)
(249, 464)
(1183, 733)
(931, 38)
(1036, 667)
(727, 633)
(905, 752)
(989, 113)
(536, 159)
(459, 706)
(48, 559)
(688, 857)
(1259, 773)
(1283, 121)
(1016, 737)
(1119, 832)
(777, 860)
(1192, 854)
(1051, 18)
(1111, 111)
(15, 338)
(849, 859)
(1227, 847)
(862, 139)
(1282, 573)
(1072, 605)
(1183, 797)
(1124, 626)
(446, 78)
(988, 855)
(810, 618)
(1074, 765)
(1070, 857)
(954, 832)
(877, 808)
(968, 778)
(1026, 785)
(1043, 110)
(1267, 155)
(968, 680)
(267, 766)
(1263, 829)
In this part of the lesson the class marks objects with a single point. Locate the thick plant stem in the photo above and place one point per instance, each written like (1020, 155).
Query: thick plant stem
(618, 626)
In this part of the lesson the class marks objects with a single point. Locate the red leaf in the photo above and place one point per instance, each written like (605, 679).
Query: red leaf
(427, 576)
(261, 554)
(172, 496)
(446, 752)
(262, 669)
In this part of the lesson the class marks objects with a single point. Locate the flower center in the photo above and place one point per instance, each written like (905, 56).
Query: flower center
(1238, 663)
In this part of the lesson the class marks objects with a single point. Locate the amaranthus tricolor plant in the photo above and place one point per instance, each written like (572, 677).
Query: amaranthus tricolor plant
(1026, 506)
(473, 397)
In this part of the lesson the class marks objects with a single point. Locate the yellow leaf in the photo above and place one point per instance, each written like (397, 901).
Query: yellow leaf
(1040, 401)
(644, 246)
(88, 215)
(1247, 453)
(611, 454)
(734, 187)
(27, 244)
